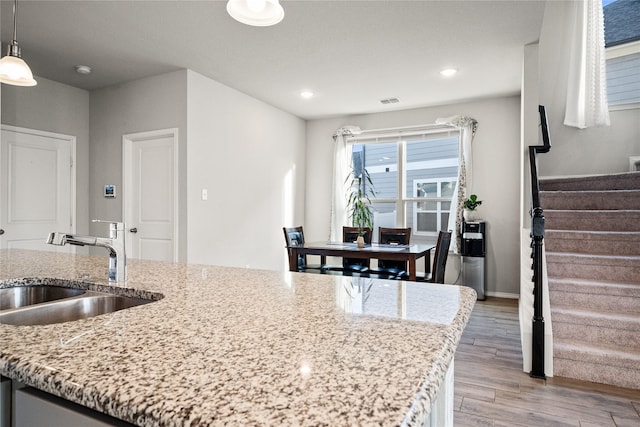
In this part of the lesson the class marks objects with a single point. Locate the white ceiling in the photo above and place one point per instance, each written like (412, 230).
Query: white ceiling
(350, 53)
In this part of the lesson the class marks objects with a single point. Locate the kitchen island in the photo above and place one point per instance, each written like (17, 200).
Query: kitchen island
(239, 346)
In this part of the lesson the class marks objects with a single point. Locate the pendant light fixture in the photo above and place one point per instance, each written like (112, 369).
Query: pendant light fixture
(13, 70)
(259, 13)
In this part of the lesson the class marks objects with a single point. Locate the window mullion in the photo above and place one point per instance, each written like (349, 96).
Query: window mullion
(401, 218)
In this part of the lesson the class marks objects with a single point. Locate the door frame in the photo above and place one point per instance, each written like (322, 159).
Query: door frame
(127, 174)
(72, 140)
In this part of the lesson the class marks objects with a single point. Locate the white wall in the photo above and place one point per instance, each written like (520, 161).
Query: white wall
(575, 151)
(496, 171)
(55, 107)
(250, 157)
(152, 103)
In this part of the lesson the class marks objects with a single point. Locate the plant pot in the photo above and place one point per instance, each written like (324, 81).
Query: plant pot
(360, 241)
(469, 216)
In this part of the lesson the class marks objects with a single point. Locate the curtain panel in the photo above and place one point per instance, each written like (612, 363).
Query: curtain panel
(586, 103)
(341, 169)
(464, 186)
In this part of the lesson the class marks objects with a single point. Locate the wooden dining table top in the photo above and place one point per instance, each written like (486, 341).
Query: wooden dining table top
(393, 252)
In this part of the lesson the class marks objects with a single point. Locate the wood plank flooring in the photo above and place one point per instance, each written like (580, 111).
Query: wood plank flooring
(491, 390)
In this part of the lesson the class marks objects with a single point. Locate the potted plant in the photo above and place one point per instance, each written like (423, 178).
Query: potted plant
(359, 202)
(470, 206)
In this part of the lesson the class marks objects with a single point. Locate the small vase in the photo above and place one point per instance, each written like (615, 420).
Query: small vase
(469, 216)
(360, 241)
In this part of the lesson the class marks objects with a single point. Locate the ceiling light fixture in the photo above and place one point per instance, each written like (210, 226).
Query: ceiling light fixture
(306, 94)
(259, 13)
(13, 70)
(83, 69)
(449, 72)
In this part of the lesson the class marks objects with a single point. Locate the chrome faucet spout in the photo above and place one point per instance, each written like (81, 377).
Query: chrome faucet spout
(114, 244)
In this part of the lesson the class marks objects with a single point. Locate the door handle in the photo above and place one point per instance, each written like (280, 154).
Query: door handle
(1, 231)
(133, 230)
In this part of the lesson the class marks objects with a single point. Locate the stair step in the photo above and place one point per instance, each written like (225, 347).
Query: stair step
(592, 220)
(599, 288)
(601, 364)
(625, 269)
(595, 295)
(599, 327)
(598, 200)
(620, 181)
(593, 242)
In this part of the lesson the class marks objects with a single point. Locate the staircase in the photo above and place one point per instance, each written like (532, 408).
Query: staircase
(592, 244)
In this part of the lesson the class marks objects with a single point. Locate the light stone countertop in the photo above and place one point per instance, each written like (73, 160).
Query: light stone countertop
(232, 346)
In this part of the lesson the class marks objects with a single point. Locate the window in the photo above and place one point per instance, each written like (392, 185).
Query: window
(414, 175)
(622, 41)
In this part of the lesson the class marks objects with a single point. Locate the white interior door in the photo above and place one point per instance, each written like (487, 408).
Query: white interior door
(150, 194)
(37, 187)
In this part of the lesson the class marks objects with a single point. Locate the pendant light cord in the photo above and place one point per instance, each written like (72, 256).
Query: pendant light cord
(15, 13)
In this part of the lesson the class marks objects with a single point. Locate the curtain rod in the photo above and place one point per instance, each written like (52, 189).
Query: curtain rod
(401, 128)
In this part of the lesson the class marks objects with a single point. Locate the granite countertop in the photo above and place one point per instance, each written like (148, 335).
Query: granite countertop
(240, 346)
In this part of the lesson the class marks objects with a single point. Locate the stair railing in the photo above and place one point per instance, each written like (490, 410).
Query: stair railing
(537, 237)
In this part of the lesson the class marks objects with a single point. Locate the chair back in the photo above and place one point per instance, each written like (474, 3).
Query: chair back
(294, 236)
(350, 234)
(390, 236)
(440, 257)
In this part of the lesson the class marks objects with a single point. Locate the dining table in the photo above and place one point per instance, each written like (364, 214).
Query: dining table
(409, 253)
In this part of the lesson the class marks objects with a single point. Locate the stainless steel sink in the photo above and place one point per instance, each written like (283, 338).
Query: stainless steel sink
(20, 296)
(45, 305)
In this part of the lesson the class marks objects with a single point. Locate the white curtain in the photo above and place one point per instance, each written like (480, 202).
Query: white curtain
(586, 104)
(341, 169)
(464, 187)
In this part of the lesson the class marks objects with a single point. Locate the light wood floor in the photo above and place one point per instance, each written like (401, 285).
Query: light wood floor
(491, 389)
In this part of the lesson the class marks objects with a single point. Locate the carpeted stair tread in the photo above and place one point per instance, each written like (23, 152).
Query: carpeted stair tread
(601, 354)
(619, 181)
(593, 242)
(604, 319)
(592, 220)
(591, 259)
(600, 327)
(625, 269)
(592, 199)
(596, 287)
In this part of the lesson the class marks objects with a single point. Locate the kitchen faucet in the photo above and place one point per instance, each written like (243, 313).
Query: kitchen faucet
(114, 244)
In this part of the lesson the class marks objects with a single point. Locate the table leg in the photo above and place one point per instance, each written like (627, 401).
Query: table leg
(427, 263)
(412, 268)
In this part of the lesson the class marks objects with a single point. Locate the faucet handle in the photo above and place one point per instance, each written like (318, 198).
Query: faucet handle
(118, 225)
(114, 227)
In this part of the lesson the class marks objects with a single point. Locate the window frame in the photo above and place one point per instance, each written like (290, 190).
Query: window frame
(399, 137)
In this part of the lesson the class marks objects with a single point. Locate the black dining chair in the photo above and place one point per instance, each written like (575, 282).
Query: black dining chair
(356, 265)
(294, 236)
(440, 258)
(392, 269)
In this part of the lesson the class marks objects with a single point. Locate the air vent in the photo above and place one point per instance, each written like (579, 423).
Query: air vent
(389, 101)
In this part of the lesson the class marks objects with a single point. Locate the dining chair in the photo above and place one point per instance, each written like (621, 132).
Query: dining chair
(294, 236)
(440, 258)
(391, 269)
(356, 265)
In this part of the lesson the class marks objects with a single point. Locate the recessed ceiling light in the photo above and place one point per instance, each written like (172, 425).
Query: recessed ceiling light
(449, 72)
(83, 69)
(306, 94)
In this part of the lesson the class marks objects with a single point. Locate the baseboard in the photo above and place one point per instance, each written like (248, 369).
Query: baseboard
(502, 295)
